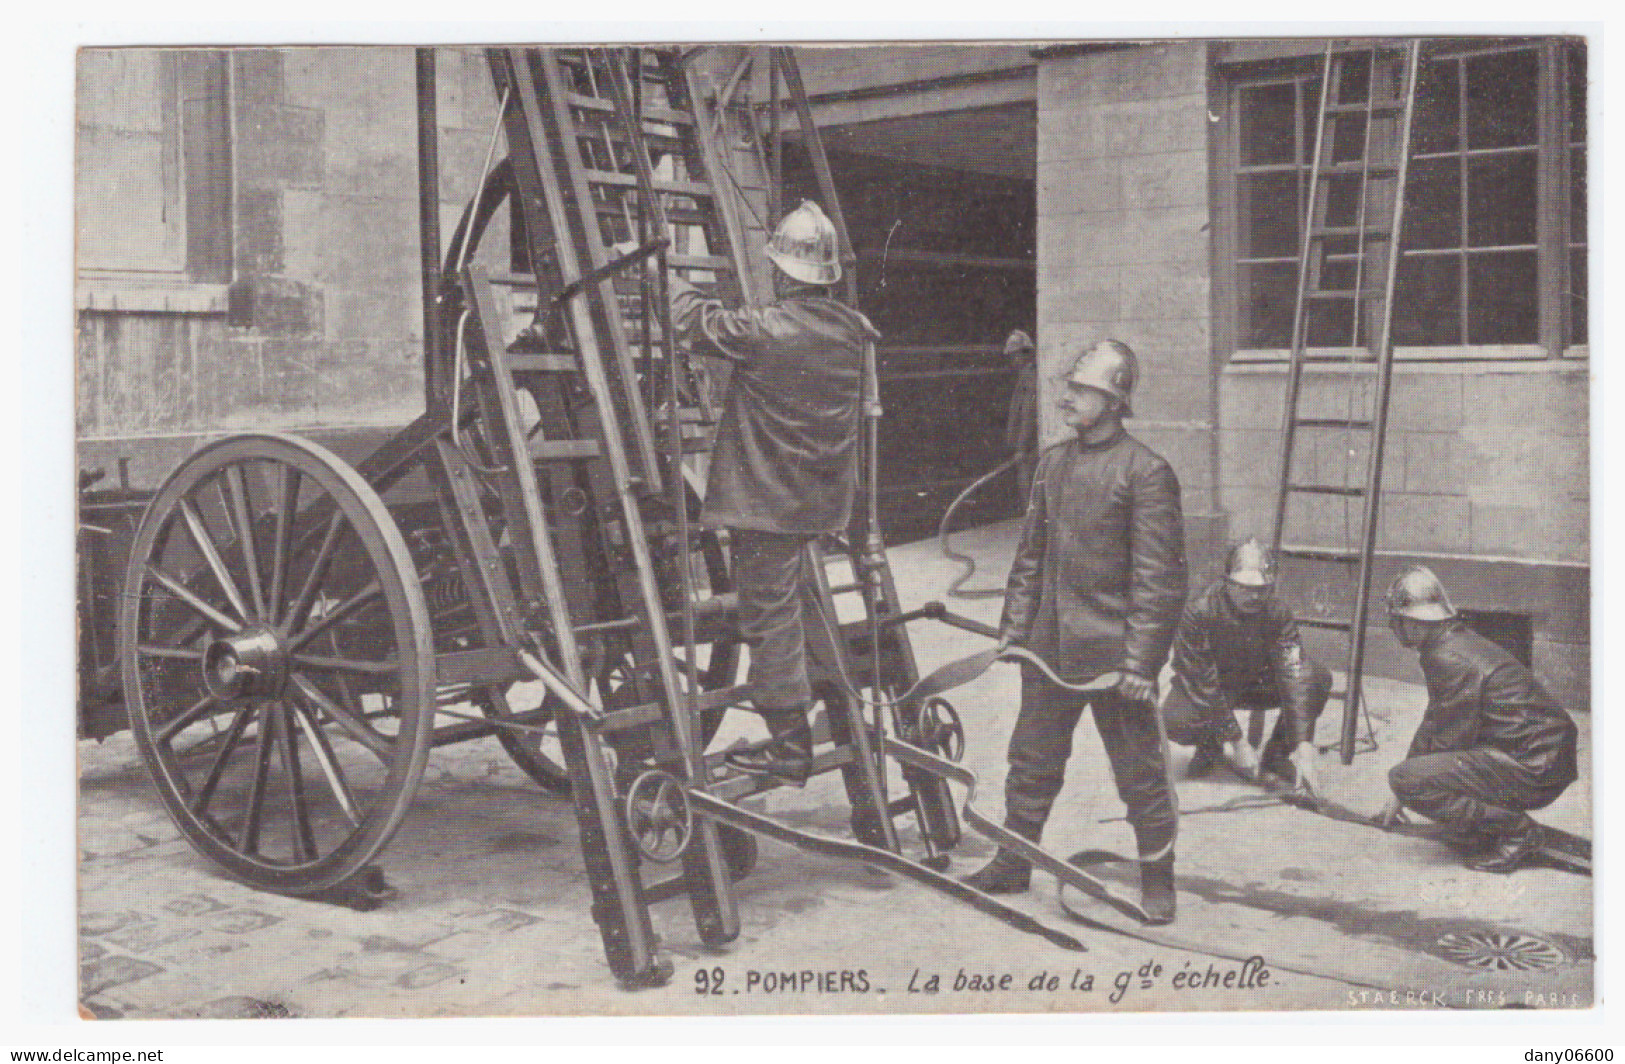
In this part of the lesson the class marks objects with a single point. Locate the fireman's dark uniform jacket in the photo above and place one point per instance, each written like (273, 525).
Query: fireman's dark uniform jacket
(785, 464)
(786, 454)
(1100, 574)
(1480, 696)
(1096, 586)
(1492, 742)
(1226, 660)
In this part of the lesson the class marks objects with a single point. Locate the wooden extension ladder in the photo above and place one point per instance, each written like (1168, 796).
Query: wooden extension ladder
(1346, 280)
(591, 425)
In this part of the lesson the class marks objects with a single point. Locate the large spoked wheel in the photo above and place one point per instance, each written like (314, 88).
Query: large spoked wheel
(535, 748)
(277, 661)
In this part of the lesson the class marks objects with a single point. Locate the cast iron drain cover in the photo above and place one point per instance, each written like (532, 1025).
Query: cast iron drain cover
(1501, 951)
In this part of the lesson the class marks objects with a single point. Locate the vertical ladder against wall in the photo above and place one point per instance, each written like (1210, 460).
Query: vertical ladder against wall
(1347, 271)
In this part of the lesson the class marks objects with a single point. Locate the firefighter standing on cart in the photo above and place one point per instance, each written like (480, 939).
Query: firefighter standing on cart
(1096, 587)
(785, 465)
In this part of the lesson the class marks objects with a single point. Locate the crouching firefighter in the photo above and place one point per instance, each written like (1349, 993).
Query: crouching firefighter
(1238, 649)
(1492, 743)
(1096, 587)
(785, 465)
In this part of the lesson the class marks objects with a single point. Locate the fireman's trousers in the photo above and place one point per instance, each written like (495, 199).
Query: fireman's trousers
(770, 571)
(1041, 745)
(1189, 724)
(1477, 791)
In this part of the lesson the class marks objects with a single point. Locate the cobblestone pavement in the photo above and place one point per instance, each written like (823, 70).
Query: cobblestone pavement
(492, 917)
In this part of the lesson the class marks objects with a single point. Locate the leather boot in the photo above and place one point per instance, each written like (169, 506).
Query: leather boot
(786, 756)
(1202, 760)
(1005, 874)
(1157, 889)
(1510, 853)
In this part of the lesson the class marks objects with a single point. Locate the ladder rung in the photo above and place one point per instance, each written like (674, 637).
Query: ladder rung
(1325, 489)
(616, 135)
(563, 450)
(1330, 423)
(1321, 554)
(1344, 169)
(513, 280)
(1336, 623)
(1345, 293)
(665, 890)
(699, 262)
(735, 787)
(661, 184)
(632, 717)
(1350, 230)
(619, 624)
(728, 600)
(548, 363)
(650, 114)
(726, 696)
(1376, 107)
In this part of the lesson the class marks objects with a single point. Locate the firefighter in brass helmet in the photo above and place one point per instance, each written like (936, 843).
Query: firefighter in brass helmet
(1238, 649)
(785, 465)
(1492, 744)
(1096, 587)
(1021, 422)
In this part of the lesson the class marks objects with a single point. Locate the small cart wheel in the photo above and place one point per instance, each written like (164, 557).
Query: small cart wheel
(277, 661)
(658, 817)
(940, 730)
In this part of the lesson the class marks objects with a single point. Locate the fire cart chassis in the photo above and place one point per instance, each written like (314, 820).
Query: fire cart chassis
(294, 633)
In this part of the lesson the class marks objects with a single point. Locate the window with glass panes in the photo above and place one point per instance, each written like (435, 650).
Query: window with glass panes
(1493, 245)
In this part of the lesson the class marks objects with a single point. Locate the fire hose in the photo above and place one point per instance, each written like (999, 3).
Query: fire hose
(966, 561)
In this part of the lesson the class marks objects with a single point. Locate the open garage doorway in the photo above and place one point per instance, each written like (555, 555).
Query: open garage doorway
(942, 213)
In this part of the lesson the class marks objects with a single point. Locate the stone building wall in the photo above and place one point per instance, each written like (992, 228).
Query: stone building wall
(319, 328)
(1123, 248)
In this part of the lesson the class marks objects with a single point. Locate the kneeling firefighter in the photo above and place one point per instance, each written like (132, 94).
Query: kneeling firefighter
(1492, 744)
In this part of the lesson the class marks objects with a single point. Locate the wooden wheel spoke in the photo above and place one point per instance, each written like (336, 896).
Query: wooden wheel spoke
(324, 663)
(190, 598)
(211, 554)
(318, 572)
(354, 604)
(351, 723)
(174, 653)
(328, 762)
(184, 720)
(236, 488)
(200, 800)
(304, 837)
(282, 540)
(249, 842)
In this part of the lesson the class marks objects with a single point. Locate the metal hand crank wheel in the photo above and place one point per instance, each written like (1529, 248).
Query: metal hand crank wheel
(658, 816)
(277, 661)
(940, 730)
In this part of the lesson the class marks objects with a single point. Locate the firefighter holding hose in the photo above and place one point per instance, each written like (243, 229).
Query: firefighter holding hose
(1096, 587)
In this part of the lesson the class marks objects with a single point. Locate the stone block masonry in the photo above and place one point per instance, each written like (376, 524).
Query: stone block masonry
(1123, 248)
(319, 326)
